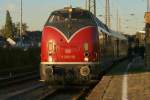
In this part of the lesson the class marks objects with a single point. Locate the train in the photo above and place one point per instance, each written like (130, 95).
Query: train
(76, 47)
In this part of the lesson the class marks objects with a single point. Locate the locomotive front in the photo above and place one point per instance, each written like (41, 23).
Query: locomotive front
(69, 47)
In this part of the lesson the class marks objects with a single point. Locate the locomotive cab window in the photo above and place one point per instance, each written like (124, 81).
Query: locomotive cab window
(62, 16)
(69, 23)
(57, 18)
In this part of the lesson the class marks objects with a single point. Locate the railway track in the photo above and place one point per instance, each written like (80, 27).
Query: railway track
(24, 87)
(34, 92)
(16, 79)
(67, 93)
(39, 91)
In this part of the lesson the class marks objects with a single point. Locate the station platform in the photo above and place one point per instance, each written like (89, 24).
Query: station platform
(129, 80)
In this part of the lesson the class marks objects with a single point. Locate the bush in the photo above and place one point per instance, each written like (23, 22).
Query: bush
(12, 59)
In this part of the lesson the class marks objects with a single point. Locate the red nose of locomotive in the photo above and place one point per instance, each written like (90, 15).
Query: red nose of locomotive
(80, 47)
(69, 46)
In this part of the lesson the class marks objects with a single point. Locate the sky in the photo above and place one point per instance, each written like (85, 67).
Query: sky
(36, 12)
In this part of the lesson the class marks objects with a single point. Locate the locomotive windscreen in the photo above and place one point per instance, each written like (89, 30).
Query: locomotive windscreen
(69, 23)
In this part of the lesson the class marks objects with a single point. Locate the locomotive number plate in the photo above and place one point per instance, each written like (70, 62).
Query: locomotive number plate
(67, 50)
(69, 57)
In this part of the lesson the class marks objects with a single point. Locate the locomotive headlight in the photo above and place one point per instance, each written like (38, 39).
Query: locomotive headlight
(50, 59)
(85, 71)
(70, 10)
(51, 46)
(86, 53)
(86, 56)
(86, 59)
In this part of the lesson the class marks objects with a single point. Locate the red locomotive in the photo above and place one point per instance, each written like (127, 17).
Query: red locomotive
(71, 47)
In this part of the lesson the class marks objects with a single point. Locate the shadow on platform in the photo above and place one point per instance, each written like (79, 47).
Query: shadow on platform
(134, 67)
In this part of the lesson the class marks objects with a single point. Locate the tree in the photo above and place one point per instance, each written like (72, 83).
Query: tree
(24, 28)
(8, 30)
(18, 29)
(14, 30)
(2, 30)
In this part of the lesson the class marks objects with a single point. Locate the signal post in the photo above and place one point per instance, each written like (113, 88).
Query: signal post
(147, 40)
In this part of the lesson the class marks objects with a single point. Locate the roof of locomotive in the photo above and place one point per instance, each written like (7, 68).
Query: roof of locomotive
(75, 10)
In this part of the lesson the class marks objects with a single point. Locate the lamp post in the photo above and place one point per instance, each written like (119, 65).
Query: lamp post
(69, 3)
(147, 5)
(147, 36)
(21, 18)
